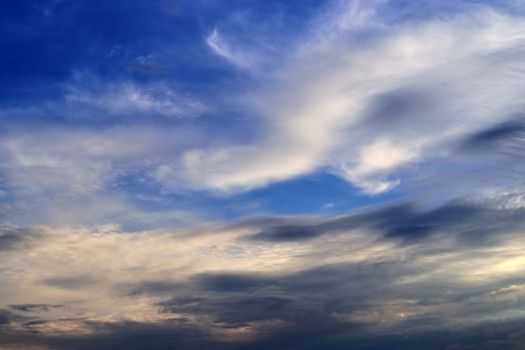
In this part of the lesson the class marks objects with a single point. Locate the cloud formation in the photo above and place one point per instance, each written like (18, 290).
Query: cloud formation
(148, 154)
(373, 93)
(371, 274)
(365, 109)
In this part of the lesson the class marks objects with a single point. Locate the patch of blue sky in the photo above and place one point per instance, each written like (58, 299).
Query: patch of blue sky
(320, 193)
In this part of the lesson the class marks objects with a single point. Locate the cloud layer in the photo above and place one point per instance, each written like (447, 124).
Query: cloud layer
(370, 275)
(366, 109)
(148, 154)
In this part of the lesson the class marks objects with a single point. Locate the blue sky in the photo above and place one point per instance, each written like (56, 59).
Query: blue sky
(249, 174)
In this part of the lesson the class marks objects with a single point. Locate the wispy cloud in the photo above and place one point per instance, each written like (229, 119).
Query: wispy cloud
(365, 110)
(86, 94)
(225, 50)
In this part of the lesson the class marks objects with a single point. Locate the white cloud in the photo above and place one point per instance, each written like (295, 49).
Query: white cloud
(127, 98)
(414, 88)
(365, 110)
(227, 51)
(376, 158)
(63, 175)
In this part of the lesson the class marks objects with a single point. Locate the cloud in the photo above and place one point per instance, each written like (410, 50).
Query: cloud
(76, 282)
(87, 95)
(363, 277)
(224, 49)
(229, 283)
(406, 221)
(380, 93)
(371, 93)
(506, 137)
(13, 237)
(59, 174)
(4, 317)
(33, 307)
(344, 106)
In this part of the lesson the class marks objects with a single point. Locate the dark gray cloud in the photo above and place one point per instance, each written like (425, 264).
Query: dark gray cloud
(231, 282)
(151, 287)
(396, 108)
(295, 311)
(407, 222)
(334, 305)
(5, 317)
(302, 300)
(180, 335)
(34, 307)
(503, 136)
(70, 282)
(306, 304)
(11, 238)
(111, 336)
(234, 310)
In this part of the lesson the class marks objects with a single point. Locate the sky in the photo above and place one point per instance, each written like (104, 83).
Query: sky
(248, 174)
